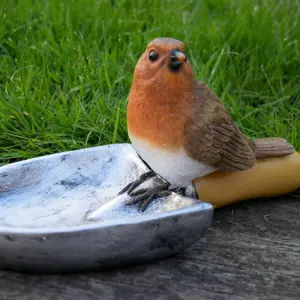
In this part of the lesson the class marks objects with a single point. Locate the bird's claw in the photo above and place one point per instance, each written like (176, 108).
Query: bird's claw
(144, 196)
(132, 185)
(151, 194)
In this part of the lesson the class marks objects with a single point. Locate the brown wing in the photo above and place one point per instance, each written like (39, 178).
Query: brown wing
(211, 136)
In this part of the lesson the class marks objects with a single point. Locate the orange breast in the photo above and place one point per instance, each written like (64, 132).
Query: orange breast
(159, 121)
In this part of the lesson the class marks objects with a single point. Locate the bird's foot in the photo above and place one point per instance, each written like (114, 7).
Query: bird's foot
(144, 196)
(133, 185)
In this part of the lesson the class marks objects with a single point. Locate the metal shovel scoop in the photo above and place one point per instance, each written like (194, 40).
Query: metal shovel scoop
(60, 213)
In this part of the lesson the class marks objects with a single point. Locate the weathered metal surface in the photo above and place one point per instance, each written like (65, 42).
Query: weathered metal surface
(44, 204)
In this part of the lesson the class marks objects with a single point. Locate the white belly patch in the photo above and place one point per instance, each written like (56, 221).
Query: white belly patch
(176, 167)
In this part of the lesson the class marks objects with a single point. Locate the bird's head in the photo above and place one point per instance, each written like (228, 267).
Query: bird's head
(160, 94)
(164, 63)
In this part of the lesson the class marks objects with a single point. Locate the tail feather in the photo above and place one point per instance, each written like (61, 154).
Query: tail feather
(272, 147)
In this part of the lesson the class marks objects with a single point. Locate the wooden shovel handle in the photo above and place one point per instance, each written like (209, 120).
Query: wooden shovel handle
(268, 178)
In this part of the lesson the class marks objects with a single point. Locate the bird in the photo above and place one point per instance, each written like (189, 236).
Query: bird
(180, 128)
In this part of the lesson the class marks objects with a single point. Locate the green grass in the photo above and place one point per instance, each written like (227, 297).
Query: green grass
(66, 66)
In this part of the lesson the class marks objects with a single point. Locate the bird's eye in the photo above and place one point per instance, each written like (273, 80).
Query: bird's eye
(153, 55)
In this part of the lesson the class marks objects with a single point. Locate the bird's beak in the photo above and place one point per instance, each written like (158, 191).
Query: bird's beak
(177, 59)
